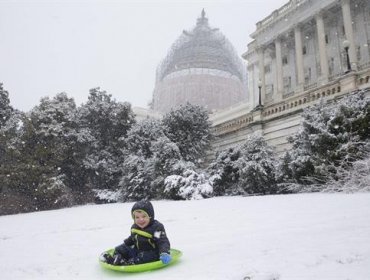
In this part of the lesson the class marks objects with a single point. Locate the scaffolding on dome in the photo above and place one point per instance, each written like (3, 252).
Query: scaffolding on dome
(202, 47)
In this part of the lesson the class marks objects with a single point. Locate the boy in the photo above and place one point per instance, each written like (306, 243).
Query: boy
(148, 241)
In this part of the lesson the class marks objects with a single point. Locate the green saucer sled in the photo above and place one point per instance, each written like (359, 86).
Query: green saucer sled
(175, 254)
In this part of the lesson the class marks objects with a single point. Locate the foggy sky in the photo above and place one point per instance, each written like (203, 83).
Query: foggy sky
(47, 47)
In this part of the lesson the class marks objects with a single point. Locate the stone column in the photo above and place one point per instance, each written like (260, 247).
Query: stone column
(324, 77)
(279, 70)
(348, 29)
(299, 58)
(261, 67)
(251, 85)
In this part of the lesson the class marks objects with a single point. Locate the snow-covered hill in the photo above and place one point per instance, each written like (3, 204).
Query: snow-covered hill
(305, 236)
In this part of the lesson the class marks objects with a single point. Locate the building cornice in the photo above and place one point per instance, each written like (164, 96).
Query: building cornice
(296, 103)
(294, 12)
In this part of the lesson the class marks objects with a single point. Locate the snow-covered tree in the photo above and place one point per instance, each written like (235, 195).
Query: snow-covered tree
(353, 179)
(249, 168)
(20, 169)
(11, 144)
(225, 173)
(6, 111)
(332, 135)
(138, 177)
(189, 128)
(257, 166)
(52, 145)
(151, 158)
(5, 108)
(107, 121)
(167, 158)
(189, 185)
(47, 143)
(140, 138)
(53, 193)
(20, 172)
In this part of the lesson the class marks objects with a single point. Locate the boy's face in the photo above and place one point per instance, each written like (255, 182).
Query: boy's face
(141, 219)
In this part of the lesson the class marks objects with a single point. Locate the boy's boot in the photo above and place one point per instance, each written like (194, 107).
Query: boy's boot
(105, 257)
(117, 259)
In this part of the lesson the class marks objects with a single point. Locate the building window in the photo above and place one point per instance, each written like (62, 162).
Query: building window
(331, 65)
(358, 53)
(267, 68)
(307, 75)
(287, 81)
(285, 60)
(269, 91)
(326, 38)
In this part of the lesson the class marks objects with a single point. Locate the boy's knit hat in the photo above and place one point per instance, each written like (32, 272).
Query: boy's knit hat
(145, 206)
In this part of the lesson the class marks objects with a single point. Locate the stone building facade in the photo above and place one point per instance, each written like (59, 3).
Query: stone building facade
(305, 51)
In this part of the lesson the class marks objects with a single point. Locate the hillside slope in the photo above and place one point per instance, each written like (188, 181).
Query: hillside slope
(305, 236)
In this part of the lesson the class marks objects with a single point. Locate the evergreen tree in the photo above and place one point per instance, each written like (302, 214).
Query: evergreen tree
(257, 166)
(140, 138)
(151, 158)
(137, 180)
(138, 172)
(225, 173)
(54, 145)
(332, 135)
(107, 122)
(16, 181)
(249, 168)
(5, 113)
(189, 128)
(6, 109)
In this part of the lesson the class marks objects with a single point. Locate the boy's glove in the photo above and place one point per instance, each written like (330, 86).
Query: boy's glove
(165, 258)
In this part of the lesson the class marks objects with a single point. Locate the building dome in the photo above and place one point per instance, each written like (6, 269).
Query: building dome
(201, 68)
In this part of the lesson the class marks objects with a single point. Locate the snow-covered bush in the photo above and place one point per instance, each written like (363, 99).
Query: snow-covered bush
(332, 137)
(353, 179)
(106, 195)
(249, 168)
(53, 193)
(224, 172)
(257, 166)
(14, 203)
(189, 185)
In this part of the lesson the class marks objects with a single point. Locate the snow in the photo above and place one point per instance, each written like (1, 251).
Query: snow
(302, 236)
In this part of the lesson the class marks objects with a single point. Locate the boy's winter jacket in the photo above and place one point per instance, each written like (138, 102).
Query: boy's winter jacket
(151, 238)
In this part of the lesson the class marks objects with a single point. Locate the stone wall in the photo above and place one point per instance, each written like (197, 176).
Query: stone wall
(278, 121)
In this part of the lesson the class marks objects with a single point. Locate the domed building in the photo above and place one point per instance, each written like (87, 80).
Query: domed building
(201, 68)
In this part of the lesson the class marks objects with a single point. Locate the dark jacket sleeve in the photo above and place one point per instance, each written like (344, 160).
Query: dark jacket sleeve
(129, 241)
(161, 239)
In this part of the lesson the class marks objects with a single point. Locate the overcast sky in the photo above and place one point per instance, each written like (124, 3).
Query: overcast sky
(47, 47)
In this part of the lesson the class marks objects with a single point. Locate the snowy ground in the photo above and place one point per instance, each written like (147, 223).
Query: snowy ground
(305, 236)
